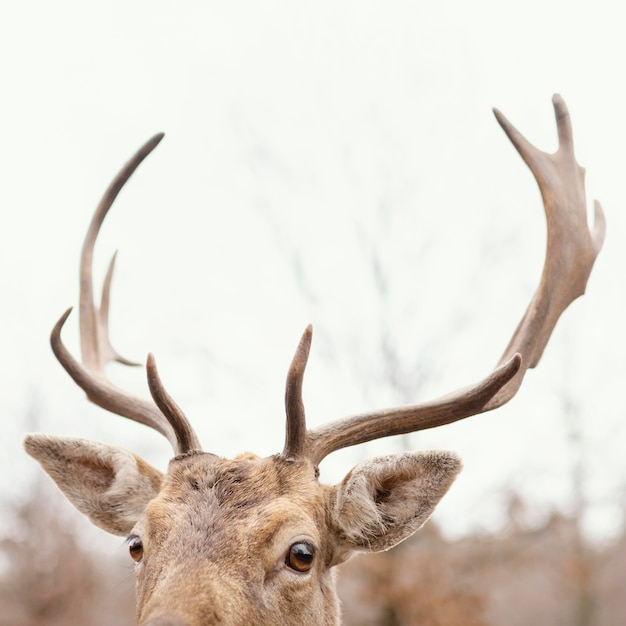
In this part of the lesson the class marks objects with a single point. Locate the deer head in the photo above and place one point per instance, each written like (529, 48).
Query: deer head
(253, 540)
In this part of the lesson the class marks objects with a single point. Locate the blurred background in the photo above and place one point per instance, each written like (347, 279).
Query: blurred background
(334, 163)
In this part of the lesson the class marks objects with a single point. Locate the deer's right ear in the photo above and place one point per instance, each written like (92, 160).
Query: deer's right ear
(110, 485)
(383, 501)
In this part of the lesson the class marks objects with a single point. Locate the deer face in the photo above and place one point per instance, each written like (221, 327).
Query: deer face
(235, 542)
(244, 541)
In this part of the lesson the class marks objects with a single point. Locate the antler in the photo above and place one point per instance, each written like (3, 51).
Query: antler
(571, 252)
(96, 347)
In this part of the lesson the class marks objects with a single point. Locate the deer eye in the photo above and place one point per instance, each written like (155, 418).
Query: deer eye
(135, 548)
(300, 556)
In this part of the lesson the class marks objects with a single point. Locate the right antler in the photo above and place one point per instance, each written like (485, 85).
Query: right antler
(571, 252)
(96, 347)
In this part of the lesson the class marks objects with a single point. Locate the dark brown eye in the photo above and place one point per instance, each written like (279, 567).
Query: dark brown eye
(135, 547)
(300, 556)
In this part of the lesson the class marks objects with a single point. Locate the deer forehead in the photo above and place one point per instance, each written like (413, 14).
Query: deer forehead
(218, 500)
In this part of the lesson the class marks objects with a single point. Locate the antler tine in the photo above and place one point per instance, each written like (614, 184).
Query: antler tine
(103, 393)
(186, 438)
(295, 435)
(94, 334)
(571, 252)
(106, 351)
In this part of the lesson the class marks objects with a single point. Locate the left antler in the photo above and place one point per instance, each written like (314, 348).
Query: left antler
(164, 416)
(571, 251)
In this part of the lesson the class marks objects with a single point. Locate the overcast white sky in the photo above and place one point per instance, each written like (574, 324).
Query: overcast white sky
(300, 137)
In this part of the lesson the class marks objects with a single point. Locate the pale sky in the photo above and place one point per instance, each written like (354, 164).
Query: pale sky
(303, 140)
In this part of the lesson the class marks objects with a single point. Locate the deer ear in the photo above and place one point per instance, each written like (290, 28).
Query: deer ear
(110, 485)
(385, 500)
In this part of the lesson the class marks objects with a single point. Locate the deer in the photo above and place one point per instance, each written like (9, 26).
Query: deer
(254, 540)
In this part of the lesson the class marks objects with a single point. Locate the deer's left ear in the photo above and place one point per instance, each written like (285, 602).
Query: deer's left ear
(385, 500)
(108, 484)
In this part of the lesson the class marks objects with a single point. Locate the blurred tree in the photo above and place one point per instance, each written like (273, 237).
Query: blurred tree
(423, 581)
(48, 579)
(519, 576)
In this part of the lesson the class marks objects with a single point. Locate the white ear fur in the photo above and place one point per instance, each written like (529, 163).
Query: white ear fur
(108, 484)
(385, 500)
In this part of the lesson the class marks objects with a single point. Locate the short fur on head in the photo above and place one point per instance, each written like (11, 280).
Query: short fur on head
(216, 533)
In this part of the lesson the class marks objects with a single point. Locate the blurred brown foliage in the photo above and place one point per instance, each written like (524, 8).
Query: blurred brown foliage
(48, 579)
(548, 575)
(522, 575)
